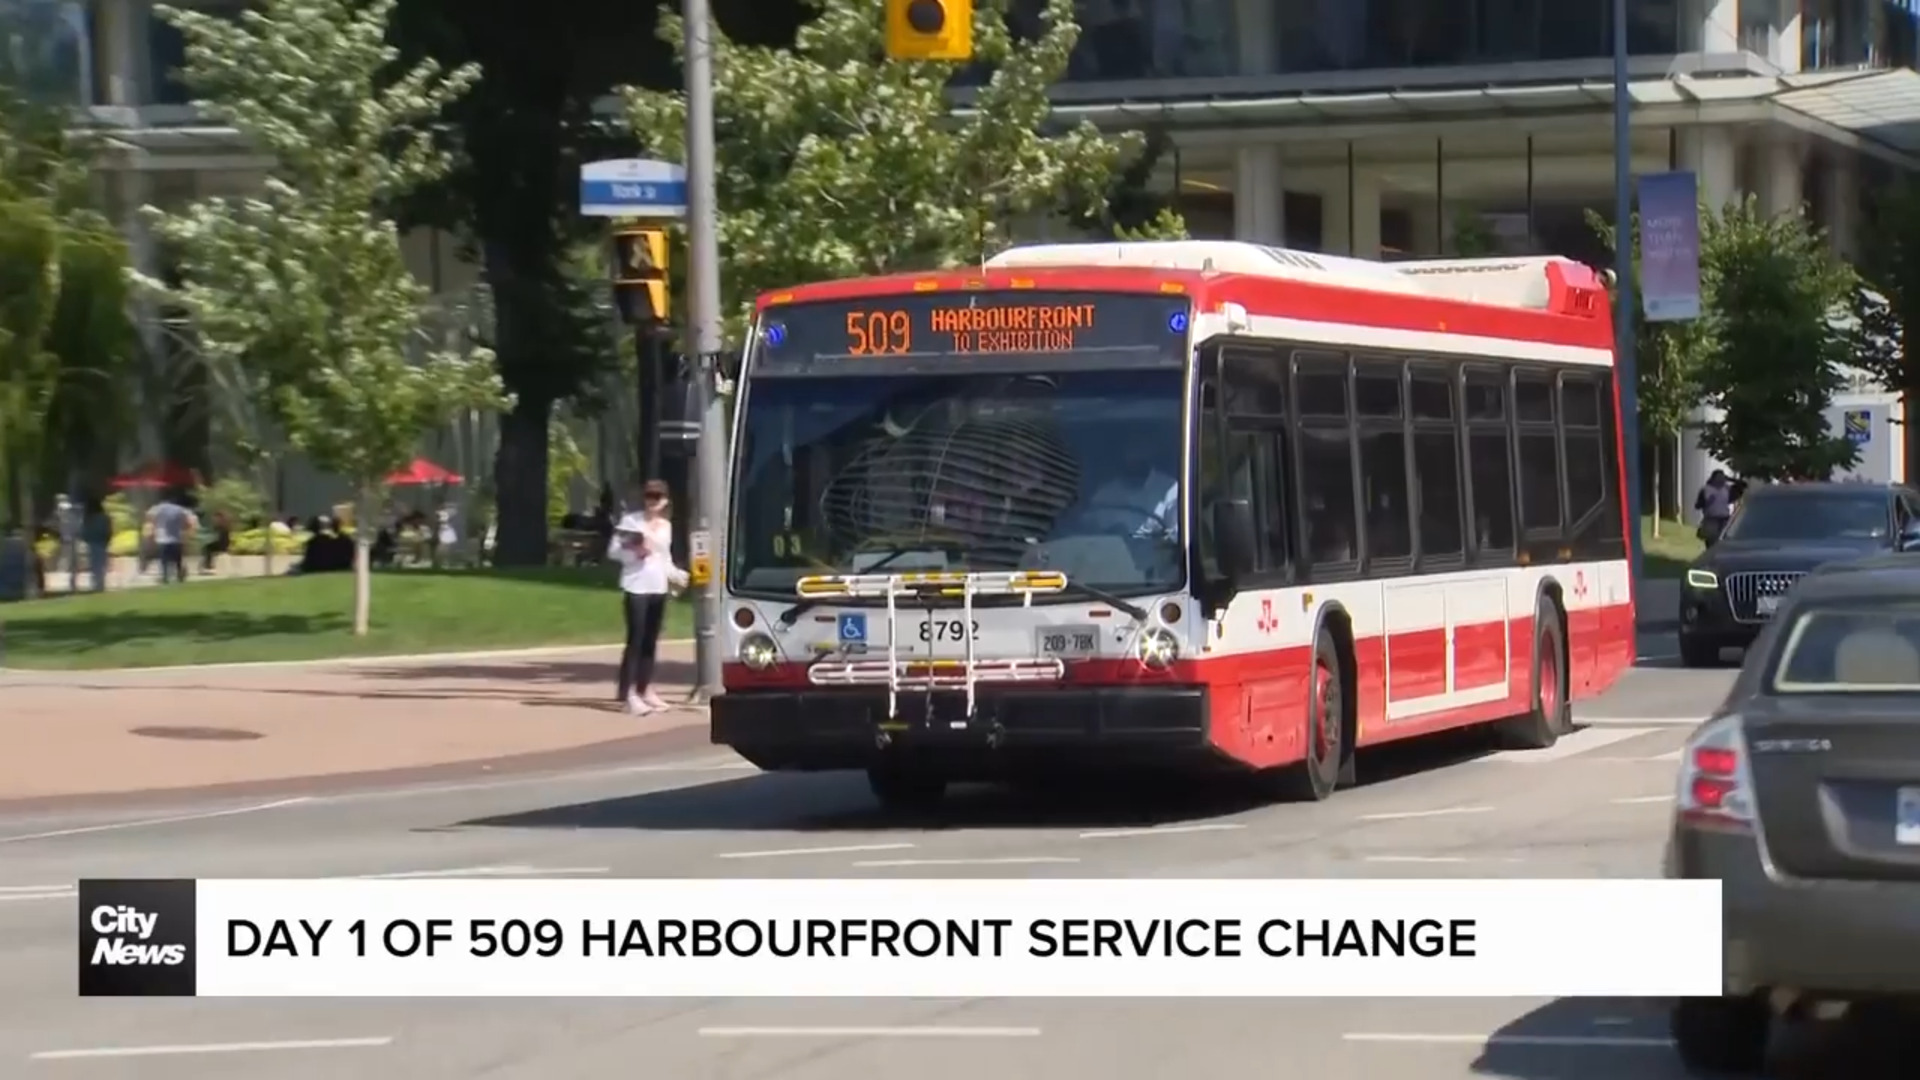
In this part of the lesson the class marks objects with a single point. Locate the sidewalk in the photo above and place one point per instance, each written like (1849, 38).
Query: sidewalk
(124, 572)
(88, 733)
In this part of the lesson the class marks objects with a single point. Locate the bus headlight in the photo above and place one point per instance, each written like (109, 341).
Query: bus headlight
(758, 652)
(1158, 648)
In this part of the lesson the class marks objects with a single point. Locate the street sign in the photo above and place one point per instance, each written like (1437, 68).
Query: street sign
(633, 188)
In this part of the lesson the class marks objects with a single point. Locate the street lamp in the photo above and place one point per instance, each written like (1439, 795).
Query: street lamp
(703, 325)
(1624, 368)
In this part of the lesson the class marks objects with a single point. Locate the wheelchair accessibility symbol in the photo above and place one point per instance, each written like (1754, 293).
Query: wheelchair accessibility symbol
(853, 629)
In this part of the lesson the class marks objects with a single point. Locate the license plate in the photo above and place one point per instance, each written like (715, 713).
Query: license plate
(1067, 642)
(1906, 816)
(1767, 605)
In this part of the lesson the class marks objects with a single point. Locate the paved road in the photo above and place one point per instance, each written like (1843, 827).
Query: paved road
(1593, 807)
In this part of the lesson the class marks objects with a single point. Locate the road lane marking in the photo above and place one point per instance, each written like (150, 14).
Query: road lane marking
(1584, 741)
(1620, 1042)
(1409, 815)
(490, 871)
(1162, 830)
(1439, 859)
(66, 887)
(1643, 800)
(1671, 755)
(210, 1048)
(1014, 860)
(1639, 721)
(142, 823)
(843, 849)
(869, 1032)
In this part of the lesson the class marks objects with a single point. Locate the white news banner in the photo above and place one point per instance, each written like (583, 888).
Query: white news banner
(933, 938)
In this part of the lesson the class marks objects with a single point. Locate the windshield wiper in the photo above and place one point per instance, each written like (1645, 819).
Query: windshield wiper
(792, 614)
(1105, 597)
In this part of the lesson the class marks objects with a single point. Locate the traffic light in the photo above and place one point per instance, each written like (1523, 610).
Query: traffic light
(930, 30)
(640, 273)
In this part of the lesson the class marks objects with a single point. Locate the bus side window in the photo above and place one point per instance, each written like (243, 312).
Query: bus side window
(1538, 450)
(1436, 466)
(1490, 524)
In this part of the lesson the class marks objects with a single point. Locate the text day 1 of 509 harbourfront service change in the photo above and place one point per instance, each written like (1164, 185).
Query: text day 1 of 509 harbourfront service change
(905, 938)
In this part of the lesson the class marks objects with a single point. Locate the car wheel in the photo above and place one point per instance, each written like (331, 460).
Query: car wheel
(906, 789)
(1721, 1035)
(1316, 777)
(1551, 716)
(1695, 653)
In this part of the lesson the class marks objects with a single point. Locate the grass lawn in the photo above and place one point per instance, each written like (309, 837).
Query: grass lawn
(1667, 556)
(310, 618)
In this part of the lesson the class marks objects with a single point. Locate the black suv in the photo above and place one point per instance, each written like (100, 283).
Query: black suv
(1779, 533)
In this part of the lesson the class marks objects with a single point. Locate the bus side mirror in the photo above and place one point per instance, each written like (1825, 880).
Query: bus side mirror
(1233, 537)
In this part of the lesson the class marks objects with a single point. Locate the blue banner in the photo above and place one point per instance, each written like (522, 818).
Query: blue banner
(1669, 247)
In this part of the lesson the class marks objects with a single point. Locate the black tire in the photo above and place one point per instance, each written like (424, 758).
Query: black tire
(1695, 653)
(1319, 775)
(1721, 1036)
(1550, 716)
(905, 789)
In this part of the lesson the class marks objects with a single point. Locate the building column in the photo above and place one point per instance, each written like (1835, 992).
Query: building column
(1840, 199)
(1258, 197)
(1259, 41)
(1352, 215)
(1712, 156)
(1782, 179)
(116, 30)
(1365, 240)
(1710, 26)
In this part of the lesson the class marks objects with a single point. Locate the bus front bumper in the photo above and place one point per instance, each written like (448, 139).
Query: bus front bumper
(817, 729)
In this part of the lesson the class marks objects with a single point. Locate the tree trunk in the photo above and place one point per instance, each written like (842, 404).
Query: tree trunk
(264, 470)
(520, 485)
(1659, 511)
(363, 533)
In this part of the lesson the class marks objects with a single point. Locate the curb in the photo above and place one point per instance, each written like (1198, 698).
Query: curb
(337, 661)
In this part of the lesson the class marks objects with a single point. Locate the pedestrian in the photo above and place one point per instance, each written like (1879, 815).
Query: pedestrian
(643, 546)
(171, 523)
(1715, 504)
(96, 532)
(220, 543)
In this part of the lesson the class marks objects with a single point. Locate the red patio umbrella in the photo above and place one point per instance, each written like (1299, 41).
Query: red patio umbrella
(420, 472)
(156, 475)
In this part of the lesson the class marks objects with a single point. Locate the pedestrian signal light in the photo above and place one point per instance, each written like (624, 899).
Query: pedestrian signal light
(930, 30)
(640, 273)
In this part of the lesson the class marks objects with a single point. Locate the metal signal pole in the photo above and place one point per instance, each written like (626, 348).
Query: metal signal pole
(703, 325)
(1626, 375)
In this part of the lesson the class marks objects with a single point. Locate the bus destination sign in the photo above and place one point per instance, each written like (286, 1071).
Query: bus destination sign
(1005, 323)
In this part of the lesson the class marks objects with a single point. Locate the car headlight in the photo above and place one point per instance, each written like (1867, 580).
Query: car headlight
(1702, 579)
(758, 652)
(1157, 648)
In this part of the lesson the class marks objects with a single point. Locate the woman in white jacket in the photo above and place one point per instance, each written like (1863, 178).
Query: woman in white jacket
(643, 546)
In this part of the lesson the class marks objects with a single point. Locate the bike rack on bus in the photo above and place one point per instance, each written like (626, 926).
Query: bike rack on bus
(931, 674)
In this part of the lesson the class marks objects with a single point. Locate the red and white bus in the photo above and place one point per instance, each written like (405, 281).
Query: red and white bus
(1170, 504)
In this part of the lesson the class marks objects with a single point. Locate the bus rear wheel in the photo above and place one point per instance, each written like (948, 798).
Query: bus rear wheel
(1316, 777)
(1551, 716)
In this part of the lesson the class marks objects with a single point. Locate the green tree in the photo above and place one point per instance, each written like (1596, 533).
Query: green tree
(305, 282)
(1473, 235)
(1770, 288)
(834, 162)
(1886, 309)
(1669, 357)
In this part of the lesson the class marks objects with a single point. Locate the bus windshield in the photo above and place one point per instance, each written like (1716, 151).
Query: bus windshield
(1014, 466)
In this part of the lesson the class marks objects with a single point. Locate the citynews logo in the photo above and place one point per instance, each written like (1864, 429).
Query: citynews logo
(136, 938)
(108, 919)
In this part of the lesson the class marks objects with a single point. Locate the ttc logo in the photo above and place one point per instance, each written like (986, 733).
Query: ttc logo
(136, 938)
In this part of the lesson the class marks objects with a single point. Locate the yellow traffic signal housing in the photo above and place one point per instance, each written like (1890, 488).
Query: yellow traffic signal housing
(640, 266)
(930, 30)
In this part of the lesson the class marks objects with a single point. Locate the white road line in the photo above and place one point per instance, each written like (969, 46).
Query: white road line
(1643, 800)
(4, 889)
(16, 898)
(491, 871)
(1162, 830)
(1033, 860)
(1586, 740)
(1435, 859)
(143, 823)
(210, 1048)
(1623, 1042)
(844, 849)
(1408, 815)
(1671, 755)
(1638, 721)
(869, 1032)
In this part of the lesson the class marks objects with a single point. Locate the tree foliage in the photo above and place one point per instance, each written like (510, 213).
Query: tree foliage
(1669, 355)
(305, 283)
(66, 340)
(834, 162)
(1886, 309)
(1771, 289)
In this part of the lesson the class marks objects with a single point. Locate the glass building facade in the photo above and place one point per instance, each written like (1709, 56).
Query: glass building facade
(46, 49)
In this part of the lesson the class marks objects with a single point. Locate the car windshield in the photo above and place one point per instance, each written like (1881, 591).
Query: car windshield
(1862, 647)
(1840, 516)
(1075, 471)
